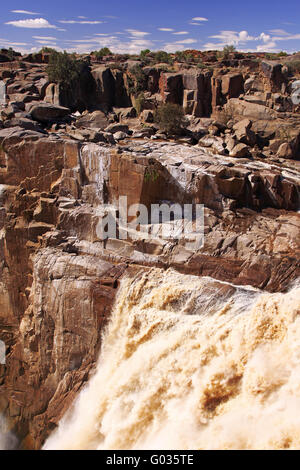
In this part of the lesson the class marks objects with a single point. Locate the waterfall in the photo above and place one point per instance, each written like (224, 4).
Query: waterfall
(7, 440)
(192, 363)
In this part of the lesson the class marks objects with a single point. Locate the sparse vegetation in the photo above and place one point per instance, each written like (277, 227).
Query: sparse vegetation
(145, 52)
(137, 81)
(102, 52)
(140, 103)
(151, 175)
(47, 50)
(64, 68)
(227, 50)
(186, 57)
(163, 57)
(170, 118)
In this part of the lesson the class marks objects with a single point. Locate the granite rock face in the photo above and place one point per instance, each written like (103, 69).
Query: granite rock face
(61, 176)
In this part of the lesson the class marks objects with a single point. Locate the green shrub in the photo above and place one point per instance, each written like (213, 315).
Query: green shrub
(64, 68)
(227, 50)
(11, 54)
(47, 50)
(282, 54)
(140, 103)
(271, 56)
(137, 80)
(163, 57)
(184, 56)
(170, 118)
(151, 174)
(102, 52)
(145, 52)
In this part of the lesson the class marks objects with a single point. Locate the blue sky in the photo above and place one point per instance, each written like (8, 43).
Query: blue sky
(131, 26)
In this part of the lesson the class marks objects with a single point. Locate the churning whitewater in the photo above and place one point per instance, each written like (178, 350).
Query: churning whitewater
(7, 440)
(192, 363)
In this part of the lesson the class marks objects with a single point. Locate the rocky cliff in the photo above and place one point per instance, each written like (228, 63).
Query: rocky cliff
(59, 277)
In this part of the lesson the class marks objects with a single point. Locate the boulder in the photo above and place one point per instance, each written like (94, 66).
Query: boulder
(240, 150)
(285, 151)
(240, 108)
(95, 120)
(144, 132)
(18, 133)
(230, 142)
(41, 85)
(243, 132)
(147, 116)
(23, 123)
(113, 128)
(45, 112)
(258, 98)
(109, 137)
(127, 113)
(120, 135)
(216, 143)
(198, 127)
(89, 135)
(253, 84)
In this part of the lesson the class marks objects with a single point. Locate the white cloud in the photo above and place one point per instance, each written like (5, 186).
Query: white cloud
(46, 43)
(178, 45)
(24, 12)
(186, 41)
(199, 18)
(265, 37)
(80, 22)
(22, 47)
(181, 33)
(173, 47)
(267, 47)
(240, 38)
(82, 41)
(7, 42)
(136, 33)
(47, 38)
(37, 23)
(166, 29)
(283, 35)
(114, 43)
(233, 37)
(212, 46)
(279, 31)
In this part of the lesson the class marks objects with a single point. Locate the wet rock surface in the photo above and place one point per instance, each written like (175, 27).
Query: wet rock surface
(238, 156)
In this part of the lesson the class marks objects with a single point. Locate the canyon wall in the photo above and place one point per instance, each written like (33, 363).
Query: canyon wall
(60, 176)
